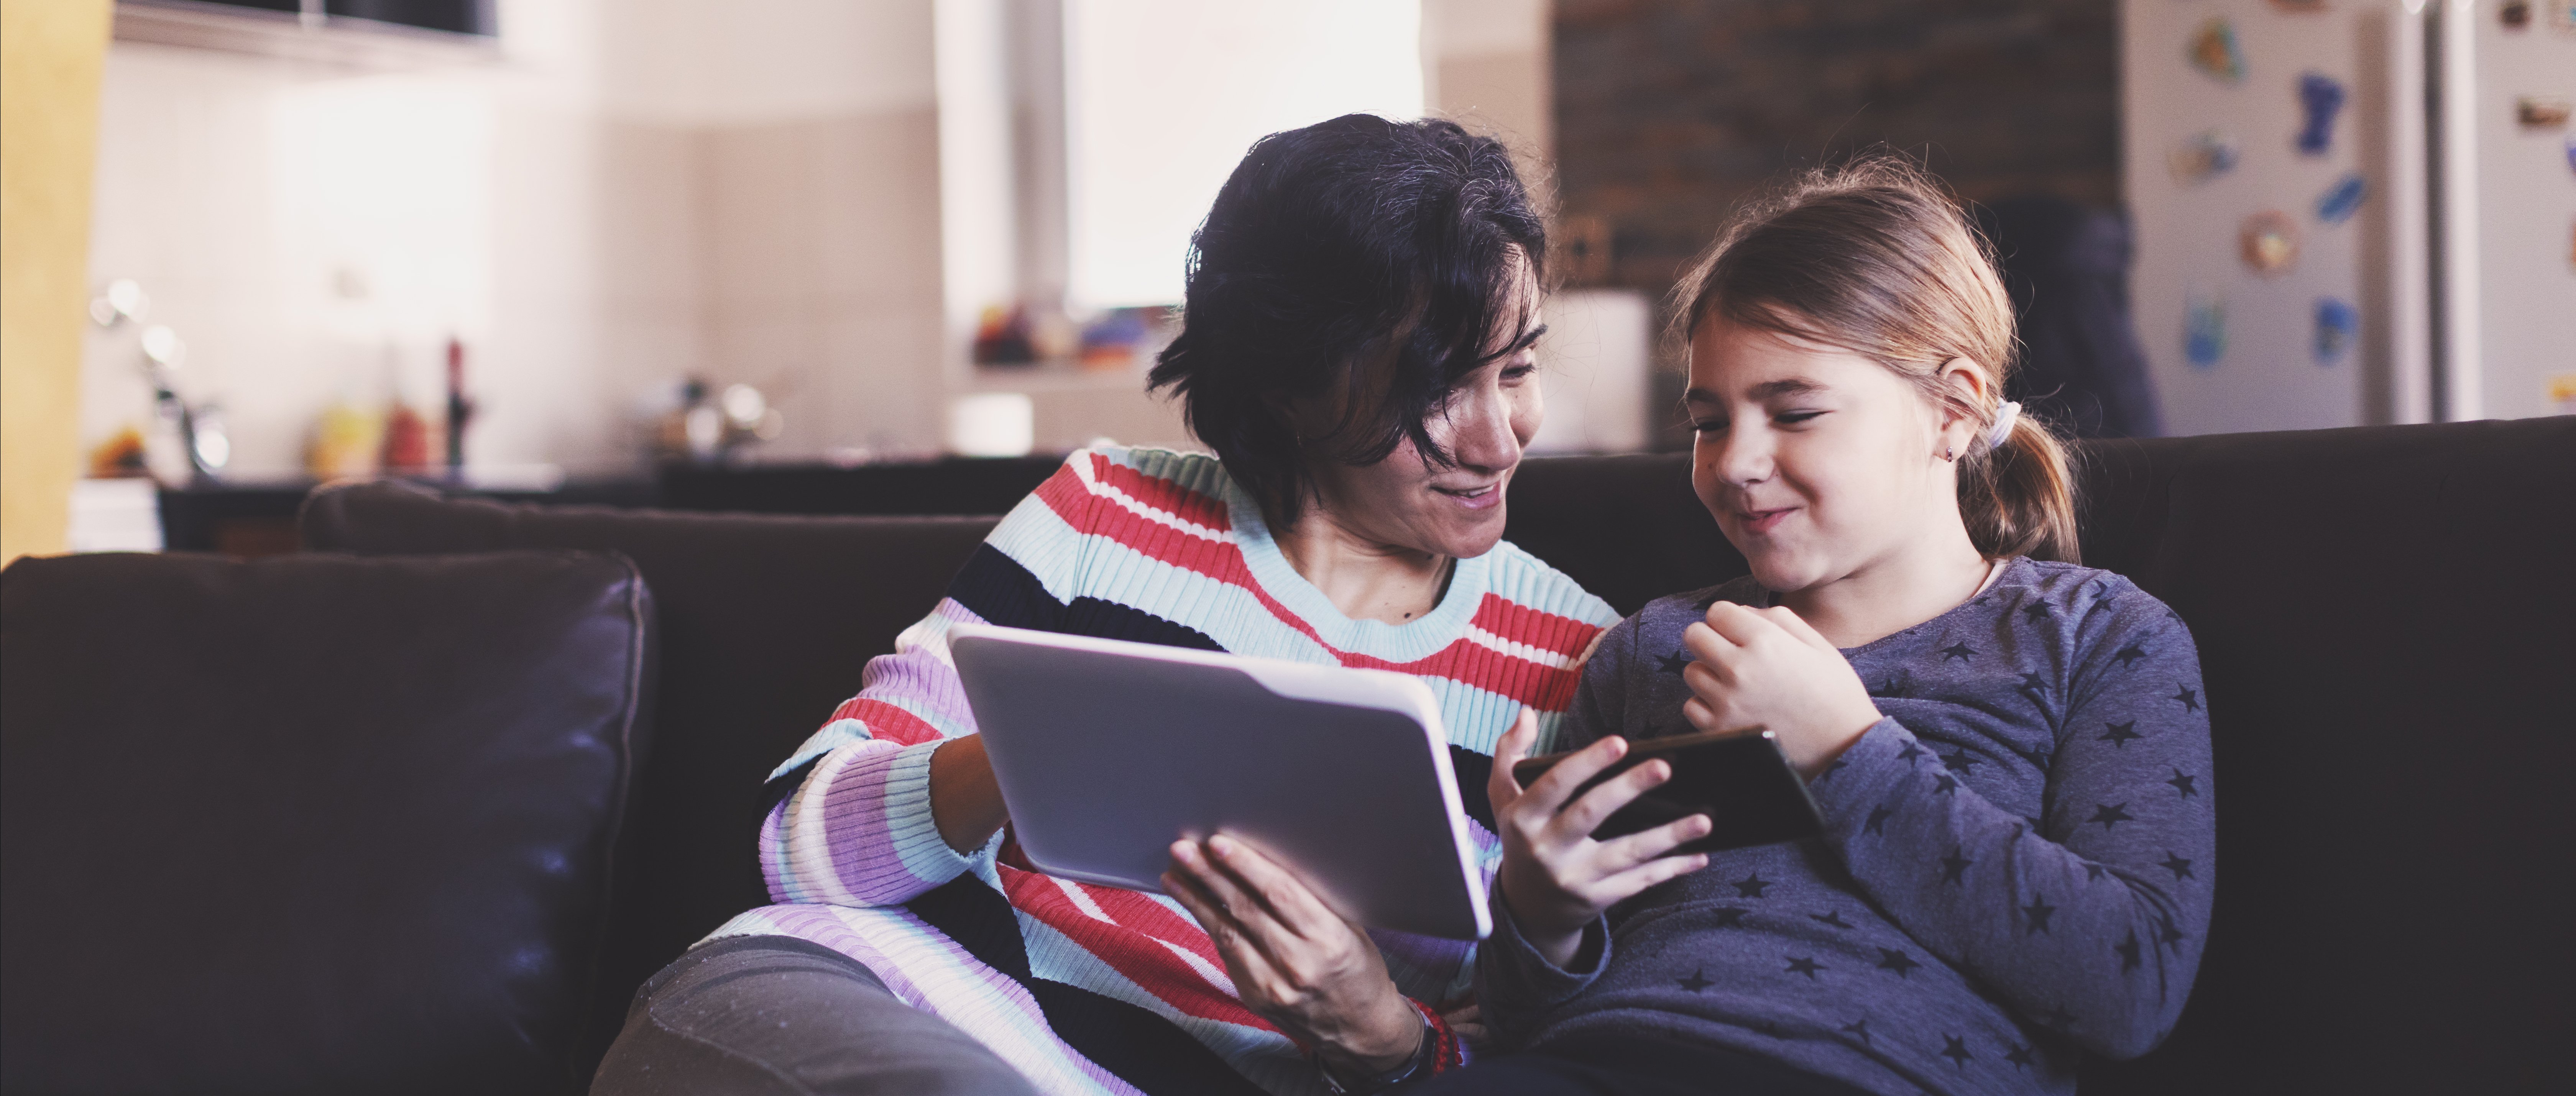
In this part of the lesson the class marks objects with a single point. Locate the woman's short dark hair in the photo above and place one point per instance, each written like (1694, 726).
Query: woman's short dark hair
(1360, 260)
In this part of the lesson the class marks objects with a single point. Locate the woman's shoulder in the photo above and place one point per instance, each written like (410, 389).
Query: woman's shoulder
(1531, 583)
(1188, 487)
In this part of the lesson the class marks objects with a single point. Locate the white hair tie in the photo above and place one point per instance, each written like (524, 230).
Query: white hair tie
(2002, 428)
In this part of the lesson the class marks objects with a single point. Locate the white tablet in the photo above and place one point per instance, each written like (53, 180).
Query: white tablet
(1108, 751)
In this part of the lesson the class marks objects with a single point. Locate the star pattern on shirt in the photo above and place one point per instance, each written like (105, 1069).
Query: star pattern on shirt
(2177, 865)
(1697, 980)
(1899, 687)
(2019, 1056)
(1901, 963)
(2182, 784)
(2129, 656)
(2190, 700)
(2168, 935)
(1911, 751)
(2119, 735)
(2129, 952)
(1673, 663)
(1728, 917)
(1960, 760)
(1878, 817)
(1944, 784)
(1954, 867)
(2033, 686)
(1859, 1027)
(2094, 872)
(1752, 886)
(2109, 816)
(1957, 650)
(1830, 917)
(1806, 965)
(2037, 756)
(2038, 913)
(2036, 612)
(1956, 1050)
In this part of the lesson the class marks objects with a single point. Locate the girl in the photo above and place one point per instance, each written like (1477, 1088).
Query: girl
(2009, 749)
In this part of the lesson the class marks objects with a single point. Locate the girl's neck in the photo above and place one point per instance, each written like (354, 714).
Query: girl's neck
(1364, 578)
(1923, 578)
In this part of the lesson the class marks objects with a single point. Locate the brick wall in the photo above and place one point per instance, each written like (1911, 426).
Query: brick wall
(1669, 111)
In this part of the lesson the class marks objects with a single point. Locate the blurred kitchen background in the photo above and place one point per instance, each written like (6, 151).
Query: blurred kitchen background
(805, 254)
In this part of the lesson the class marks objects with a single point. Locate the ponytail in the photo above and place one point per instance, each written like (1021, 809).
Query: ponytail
(1875, 257)
(2018, 498)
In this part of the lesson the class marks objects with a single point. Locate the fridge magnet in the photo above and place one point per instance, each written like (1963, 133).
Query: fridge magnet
(2204, 331)
(2203, 156)
(2341, 200)
(2540, 112)
(2320, 99)
(2514, 14)
(2212, 49)
(2338, 327)
(2269, 243)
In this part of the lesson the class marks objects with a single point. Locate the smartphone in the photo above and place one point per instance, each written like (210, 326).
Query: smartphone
(1739, 779)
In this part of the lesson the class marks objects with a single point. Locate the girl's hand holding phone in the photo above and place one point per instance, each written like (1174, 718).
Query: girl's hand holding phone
(1555, 878)
(1767, 668)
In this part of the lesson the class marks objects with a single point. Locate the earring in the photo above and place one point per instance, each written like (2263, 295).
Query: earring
(1949, 452)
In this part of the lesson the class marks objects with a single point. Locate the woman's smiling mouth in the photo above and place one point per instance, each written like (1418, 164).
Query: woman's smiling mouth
(1475, 498)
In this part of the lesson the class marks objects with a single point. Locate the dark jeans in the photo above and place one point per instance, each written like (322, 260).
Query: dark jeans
(1629, 1065)
(763, 1015)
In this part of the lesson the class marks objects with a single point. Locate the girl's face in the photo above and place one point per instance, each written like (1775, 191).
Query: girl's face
(1405, 502)
(1818, 463)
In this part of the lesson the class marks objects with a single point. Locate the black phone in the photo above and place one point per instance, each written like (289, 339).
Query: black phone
(1740, 779)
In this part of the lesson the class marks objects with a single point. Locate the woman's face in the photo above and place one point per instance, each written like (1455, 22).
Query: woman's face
(1407, 502)
(1817, 462)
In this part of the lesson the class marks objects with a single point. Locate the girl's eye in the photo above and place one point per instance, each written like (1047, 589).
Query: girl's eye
(1793, 418)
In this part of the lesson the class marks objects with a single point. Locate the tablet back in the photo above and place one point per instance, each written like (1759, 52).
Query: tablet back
(1107, 752)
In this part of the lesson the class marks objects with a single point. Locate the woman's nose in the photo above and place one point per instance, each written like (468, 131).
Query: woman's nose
(1482, 435)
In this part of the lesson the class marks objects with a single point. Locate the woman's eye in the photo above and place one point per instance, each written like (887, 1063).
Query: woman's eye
(1709, 426)
(1519, 372)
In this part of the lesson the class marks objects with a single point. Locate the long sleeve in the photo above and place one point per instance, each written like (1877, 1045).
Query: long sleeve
(850, 823)
(2090, 919)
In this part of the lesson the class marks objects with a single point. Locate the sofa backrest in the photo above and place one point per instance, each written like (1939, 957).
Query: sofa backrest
(2382, 615)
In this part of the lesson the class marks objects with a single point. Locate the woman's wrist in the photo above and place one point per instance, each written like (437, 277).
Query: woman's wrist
(1397, 1058)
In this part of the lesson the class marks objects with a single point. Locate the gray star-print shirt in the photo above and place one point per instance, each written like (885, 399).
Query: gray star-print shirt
(2016, 862)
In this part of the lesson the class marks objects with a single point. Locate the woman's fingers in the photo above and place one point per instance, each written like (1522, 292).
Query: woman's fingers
(1501, 788)
(1282, 894)
(1620, 886)
(1243, 908)
(1586, 814)
(1548, 793)
(1621, 853)
(1245, 963)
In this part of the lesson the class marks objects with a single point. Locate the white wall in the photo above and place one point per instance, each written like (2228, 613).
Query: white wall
(639, 191)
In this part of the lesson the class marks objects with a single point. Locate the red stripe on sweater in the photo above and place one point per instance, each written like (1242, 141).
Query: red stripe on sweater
(887, 723)
(1162, 494)
(1132, 954)
(1464, 661)
(1538, 628)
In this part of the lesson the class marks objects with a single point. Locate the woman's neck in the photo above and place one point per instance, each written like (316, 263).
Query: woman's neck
(1364, 578)
(1923, 578)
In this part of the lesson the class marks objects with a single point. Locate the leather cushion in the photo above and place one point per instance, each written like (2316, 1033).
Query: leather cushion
(309, 824)
(766, 622)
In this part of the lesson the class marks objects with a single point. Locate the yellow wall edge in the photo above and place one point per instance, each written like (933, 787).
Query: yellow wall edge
(51, 52)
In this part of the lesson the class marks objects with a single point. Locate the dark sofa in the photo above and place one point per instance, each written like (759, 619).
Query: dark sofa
(2384, 620)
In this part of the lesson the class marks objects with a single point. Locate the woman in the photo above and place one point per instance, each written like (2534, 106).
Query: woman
(2009, 749)
(1356, 348)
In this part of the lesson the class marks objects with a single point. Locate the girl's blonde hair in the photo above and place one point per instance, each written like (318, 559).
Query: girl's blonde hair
(1875, 257)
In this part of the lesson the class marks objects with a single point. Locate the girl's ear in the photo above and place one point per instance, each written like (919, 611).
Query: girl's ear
(1967, 381)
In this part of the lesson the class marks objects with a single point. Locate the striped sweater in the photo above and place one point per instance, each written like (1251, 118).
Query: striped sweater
(1093, 989)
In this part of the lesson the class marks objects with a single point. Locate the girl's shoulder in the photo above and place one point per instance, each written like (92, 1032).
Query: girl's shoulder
(2098, 614)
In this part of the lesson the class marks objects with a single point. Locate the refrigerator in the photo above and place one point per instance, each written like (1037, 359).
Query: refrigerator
(2352, 211)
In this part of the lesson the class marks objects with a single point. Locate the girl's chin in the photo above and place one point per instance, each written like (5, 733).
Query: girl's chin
(1783, 575)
